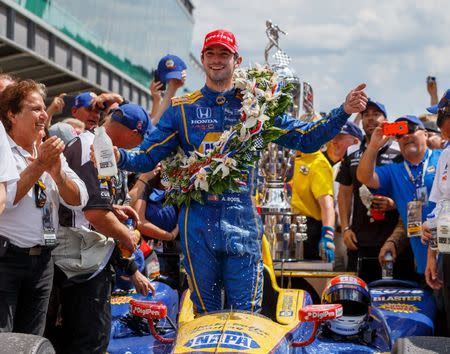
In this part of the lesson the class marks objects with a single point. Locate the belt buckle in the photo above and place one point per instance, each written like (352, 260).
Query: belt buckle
(35, 251)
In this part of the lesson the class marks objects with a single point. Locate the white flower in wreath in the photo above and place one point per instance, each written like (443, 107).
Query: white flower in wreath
(244, 134)
(201, 180)
(225, 165)
(224, 137)
(269, 96)
(248, 99)
(193, 157)
(253, 110)
(240, 83)
(259, 93)
(250, 85)
(240, 74)
(251, 122)
(257, 115)
(246, 95)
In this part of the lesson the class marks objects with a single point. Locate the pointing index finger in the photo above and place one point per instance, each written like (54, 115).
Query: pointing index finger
(360, 87)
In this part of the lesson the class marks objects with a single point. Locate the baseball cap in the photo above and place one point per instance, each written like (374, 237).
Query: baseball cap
(132, 116)
(378, 105)
(84, 99)
(352, 129)
(411, 119)
(170, 67)
(431, 126)
(222, 37)
(63, 131)
(445, 100)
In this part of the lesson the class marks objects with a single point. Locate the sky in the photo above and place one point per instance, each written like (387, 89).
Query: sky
(391, 45)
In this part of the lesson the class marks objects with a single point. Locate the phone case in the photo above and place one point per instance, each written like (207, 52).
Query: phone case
(396, 128)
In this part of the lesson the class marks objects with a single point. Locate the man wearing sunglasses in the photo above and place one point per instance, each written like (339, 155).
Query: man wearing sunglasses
(29, 224)
(408, 182)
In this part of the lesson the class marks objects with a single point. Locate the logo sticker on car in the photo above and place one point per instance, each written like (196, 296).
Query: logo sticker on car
(227, 339)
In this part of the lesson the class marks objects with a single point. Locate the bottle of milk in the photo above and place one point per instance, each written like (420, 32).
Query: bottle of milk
(104, 154)
(443, 228)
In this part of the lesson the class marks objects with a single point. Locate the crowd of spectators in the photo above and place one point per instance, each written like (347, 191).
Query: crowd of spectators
(61, 223)
(387, 186)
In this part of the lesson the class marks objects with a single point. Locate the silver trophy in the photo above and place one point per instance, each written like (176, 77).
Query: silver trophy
(284, 229)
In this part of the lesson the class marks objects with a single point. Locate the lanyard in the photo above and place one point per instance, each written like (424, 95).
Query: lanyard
(421, 175)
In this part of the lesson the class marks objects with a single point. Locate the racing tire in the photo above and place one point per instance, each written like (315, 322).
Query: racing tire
(426, 345)
(21, 343)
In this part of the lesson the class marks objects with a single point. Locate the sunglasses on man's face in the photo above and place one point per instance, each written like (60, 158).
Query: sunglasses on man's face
(412, 128)
(39, 194)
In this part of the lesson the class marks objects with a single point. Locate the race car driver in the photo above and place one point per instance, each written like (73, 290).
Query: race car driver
(221, 239)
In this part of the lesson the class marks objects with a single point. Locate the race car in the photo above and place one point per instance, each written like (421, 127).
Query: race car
(372, 319)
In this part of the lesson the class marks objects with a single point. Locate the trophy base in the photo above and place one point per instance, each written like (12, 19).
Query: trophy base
(275, 210)
(288, 264)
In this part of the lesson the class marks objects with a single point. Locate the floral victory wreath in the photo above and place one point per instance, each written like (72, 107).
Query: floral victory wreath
(220, 168)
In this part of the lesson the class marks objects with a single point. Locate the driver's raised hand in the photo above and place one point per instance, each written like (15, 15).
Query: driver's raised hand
(356, 100)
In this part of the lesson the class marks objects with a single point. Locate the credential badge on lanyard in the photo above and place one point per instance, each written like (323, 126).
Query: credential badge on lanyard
(414, 226)
(414, 208)
(48, 228)
(420, 190)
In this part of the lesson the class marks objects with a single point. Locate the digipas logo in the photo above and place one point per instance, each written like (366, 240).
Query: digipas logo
(145, 312)
(228, 339)
(320, 315)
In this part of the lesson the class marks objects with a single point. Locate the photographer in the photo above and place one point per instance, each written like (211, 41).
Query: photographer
(408, 182)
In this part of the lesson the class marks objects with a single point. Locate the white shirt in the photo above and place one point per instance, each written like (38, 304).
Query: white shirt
(22, 223)
(8, 170)
(441, 185)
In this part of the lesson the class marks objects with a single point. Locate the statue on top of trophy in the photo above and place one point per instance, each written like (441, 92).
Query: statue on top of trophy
(273, 33)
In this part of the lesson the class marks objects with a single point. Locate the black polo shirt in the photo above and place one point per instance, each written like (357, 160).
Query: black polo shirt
(369, 233)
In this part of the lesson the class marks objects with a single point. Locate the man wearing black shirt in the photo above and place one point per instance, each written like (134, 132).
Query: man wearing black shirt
(365, 236)
(86, 251)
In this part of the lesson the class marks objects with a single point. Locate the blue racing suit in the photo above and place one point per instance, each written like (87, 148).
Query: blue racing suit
(221, 239)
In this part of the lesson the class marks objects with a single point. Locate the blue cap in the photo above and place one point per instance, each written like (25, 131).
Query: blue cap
(378, 105)
(445, 100)
(132, 116)
(352, 129)
(84, 99)
(411, 119)
(170, 67)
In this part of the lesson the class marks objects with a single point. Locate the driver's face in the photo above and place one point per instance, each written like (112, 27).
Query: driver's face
(219, 63)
